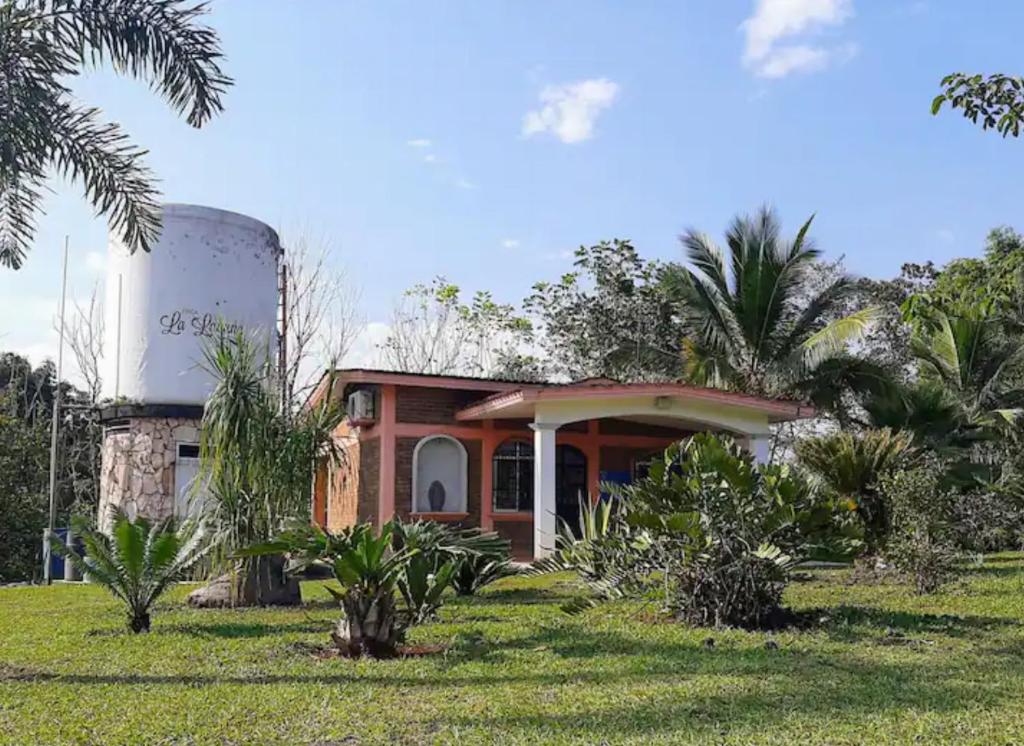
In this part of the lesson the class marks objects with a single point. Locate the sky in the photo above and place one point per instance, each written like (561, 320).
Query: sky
(484, 141)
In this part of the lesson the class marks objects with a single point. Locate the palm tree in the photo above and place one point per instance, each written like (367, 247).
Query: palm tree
(850, 466)
(760, 327)
(257, 462)
(43, 44)
(965, 392)
(137, 561)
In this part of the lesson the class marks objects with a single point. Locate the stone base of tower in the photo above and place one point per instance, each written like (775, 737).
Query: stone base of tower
(148, 459)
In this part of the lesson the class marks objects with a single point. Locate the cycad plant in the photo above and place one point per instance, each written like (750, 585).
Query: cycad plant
(465, 558)
(851, 467)
(45, 44)
(257, 462)
(369, 570)
(759, 326)
(137, 561)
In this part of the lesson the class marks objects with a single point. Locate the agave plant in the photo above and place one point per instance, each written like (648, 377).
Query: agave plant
(137, 561)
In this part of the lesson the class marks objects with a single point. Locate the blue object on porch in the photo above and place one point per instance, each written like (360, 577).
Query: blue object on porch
(615, 477)
(57, 561)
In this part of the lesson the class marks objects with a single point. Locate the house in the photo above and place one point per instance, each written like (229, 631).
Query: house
(510, 456)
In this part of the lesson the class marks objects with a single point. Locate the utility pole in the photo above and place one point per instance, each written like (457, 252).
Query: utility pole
(54, 427)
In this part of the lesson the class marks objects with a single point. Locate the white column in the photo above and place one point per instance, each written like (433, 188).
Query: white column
(543, 489)
(761, 447)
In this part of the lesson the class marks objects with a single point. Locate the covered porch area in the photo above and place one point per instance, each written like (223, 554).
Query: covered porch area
(545, 449)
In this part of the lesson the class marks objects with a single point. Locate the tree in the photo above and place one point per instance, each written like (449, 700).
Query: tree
(998, 100)
(433, 331)
(613, 317)
(43, 44)
(24, 458)
(757, 328)
(256, 463)
(322, 316)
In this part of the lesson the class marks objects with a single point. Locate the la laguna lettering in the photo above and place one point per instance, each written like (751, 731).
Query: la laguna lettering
(178, 322)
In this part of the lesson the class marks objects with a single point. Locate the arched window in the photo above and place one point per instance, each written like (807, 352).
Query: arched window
(439, 467)
(513, 476)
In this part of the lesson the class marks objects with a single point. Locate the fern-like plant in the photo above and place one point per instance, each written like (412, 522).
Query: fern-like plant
(137, 561)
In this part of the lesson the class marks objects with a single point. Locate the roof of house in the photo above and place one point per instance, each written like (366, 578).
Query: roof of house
(505, 397)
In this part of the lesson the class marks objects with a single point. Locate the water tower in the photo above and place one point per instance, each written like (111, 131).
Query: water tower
(208, 267)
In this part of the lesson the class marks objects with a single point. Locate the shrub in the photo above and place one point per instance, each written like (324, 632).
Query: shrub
(988, 520)
(922, 546)
(137, 561)
(718, 534)
(851, 465)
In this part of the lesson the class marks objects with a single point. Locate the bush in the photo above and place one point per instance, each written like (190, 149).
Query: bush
(922, 544)
(988, 521)
(718, 534)
(24, 455)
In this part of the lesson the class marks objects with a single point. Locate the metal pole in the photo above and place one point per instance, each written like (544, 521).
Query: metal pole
(55, 423)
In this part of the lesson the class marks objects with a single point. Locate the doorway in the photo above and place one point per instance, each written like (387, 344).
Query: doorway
(570, 485)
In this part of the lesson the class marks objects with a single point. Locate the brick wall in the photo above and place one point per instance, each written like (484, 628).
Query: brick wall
(369, 480)
(520, 533)
(343, 493)
(434, 406)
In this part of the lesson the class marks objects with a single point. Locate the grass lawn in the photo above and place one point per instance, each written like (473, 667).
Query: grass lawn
(886, 666)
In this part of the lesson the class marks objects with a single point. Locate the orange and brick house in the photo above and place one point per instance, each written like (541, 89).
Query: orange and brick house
(510, 456)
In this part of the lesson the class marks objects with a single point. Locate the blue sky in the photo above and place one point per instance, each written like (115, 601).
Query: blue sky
(486, 140)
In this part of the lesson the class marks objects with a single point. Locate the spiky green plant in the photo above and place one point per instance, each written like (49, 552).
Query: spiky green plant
(256, 461)
(852, 465)
(44, 44)
(368, 568)
(758, 326)
(137, 561)
(465, 558)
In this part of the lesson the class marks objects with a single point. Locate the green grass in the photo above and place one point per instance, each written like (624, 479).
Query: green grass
(885, 666)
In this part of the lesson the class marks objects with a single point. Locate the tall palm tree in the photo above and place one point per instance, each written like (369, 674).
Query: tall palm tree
(760, 326)
(43, 44)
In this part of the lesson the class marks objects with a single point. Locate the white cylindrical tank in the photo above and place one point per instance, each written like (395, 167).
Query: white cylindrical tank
(160, 306)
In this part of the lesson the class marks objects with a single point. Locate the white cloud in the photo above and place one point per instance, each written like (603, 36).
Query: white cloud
(430, 158)
(510, 243)
(420, 142)
(463, 183)
(775, 20)
(365, 349)
(96, 262)
(570, 111)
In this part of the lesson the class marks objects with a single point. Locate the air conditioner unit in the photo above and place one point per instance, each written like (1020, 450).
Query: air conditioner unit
(359, 407)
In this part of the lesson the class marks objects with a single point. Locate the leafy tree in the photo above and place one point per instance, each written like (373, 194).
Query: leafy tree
(433, 331)
(998, 100)
(756, 327)
(613, 317)
(256, 462)
(44, 44)
(137, 561)
(24, 458)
